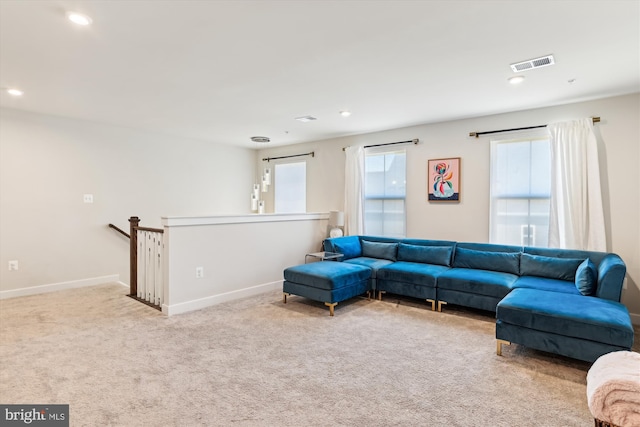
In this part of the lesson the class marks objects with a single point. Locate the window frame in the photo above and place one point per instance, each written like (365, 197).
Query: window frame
(384, 151)
(276, 182)
(529, 196)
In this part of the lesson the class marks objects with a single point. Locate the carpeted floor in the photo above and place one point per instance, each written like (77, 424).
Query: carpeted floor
(259, 362)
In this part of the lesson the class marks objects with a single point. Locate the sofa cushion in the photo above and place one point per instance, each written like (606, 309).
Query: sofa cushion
(611, 273)
(327, 274)
(379, 250)
(506, 262)
(586, 278)
(412, 272)
(546, 284)
(438, 255)
(481, 282)
(349, 246)
(374, 264)
(577, 316)
(595, 257)
(551, 267)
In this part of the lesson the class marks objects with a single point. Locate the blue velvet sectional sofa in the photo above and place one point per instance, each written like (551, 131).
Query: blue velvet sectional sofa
(560, 301)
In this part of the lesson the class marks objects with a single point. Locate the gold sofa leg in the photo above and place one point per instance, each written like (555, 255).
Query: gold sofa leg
(433, 304)
(380, 295)
(499, 346)
(331, 306)
(440, 304)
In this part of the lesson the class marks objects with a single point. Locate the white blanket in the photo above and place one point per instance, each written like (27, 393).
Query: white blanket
(613, 388)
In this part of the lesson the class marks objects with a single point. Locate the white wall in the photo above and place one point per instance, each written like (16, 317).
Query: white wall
(241, 255)
(47, 164)
(619, 146)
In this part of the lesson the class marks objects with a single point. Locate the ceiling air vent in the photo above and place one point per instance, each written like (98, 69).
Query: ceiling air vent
(306, 119)
(261, 139)
(533, 63)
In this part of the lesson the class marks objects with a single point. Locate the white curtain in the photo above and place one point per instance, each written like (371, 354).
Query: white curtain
(354, 191)
(576, 215)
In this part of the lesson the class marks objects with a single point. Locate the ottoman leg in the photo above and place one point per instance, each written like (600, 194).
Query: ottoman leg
(440, 304)
(380, 295)
(330, 305)
(499, 346)
(433, 304)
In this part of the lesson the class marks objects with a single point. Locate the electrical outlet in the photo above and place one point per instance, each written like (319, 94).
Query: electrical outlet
(199, 272)
(88, 198)
(13, 265)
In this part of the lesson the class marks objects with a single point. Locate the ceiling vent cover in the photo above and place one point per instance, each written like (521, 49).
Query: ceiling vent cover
(261, 139)
(533, 63)
(306, 119)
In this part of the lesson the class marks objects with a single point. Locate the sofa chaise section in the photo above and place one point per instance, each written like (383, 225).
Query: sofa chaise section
(577, 326)
(326, 281)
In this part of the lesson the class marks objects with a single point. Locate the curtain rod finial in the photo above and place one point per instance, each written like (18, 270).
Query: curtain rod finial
(473, 134)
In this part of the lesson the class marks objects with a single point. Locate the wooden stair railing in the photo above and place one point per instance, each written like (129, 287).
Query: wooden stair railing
(146, 256)
(120, 231)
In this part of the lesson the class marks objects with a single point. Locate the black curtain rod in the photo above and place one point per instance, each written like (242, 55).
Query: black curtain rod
(477, 134)
(413, 141)
(268, 159)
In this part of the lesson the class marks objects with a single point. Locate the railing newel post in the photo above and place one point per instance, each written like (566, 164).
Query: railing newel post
(133, 255)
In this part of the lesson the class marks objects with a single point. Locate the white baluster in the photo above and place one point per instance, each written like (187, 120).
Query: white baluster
(150, 278)
(159, 259)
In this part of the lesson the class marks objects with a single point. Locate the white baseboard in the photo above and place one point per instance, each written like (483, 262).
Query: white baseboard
(635, 318)
(41, 289)
(197, 304)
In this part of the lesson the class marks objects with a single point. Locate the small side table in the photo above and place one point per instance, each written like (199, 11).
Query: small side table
(324, 256)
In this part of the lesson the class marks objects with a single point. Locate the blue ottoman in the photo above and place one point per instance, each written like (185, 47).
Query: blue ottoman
(326, 281)
(572, 325)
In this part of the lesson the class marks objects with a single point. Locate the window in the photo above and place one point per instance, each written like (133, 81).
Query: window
(520, 191)
(291, 187)
(384, 193)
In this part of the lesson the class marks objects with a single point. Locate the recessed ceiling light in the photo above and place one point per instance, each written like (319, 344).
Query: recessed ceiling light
(15, 92)
(79, 18)
(516, 80)
(306, 119)
(345, 113)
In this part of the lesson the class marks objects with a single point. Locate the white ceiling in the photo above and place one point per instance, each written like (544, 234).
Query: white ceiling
(224, 71)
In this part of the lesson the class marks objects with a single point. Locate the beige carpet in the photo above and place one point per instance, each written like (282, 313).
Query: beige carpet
(259, 362)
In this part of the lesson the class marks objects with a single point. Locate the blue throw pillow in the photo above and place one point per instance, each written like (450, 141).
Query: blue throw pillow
(506, 262)
(587, 278)
(439, 255)
(379, 250)
(551, 267)
(348, 246)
